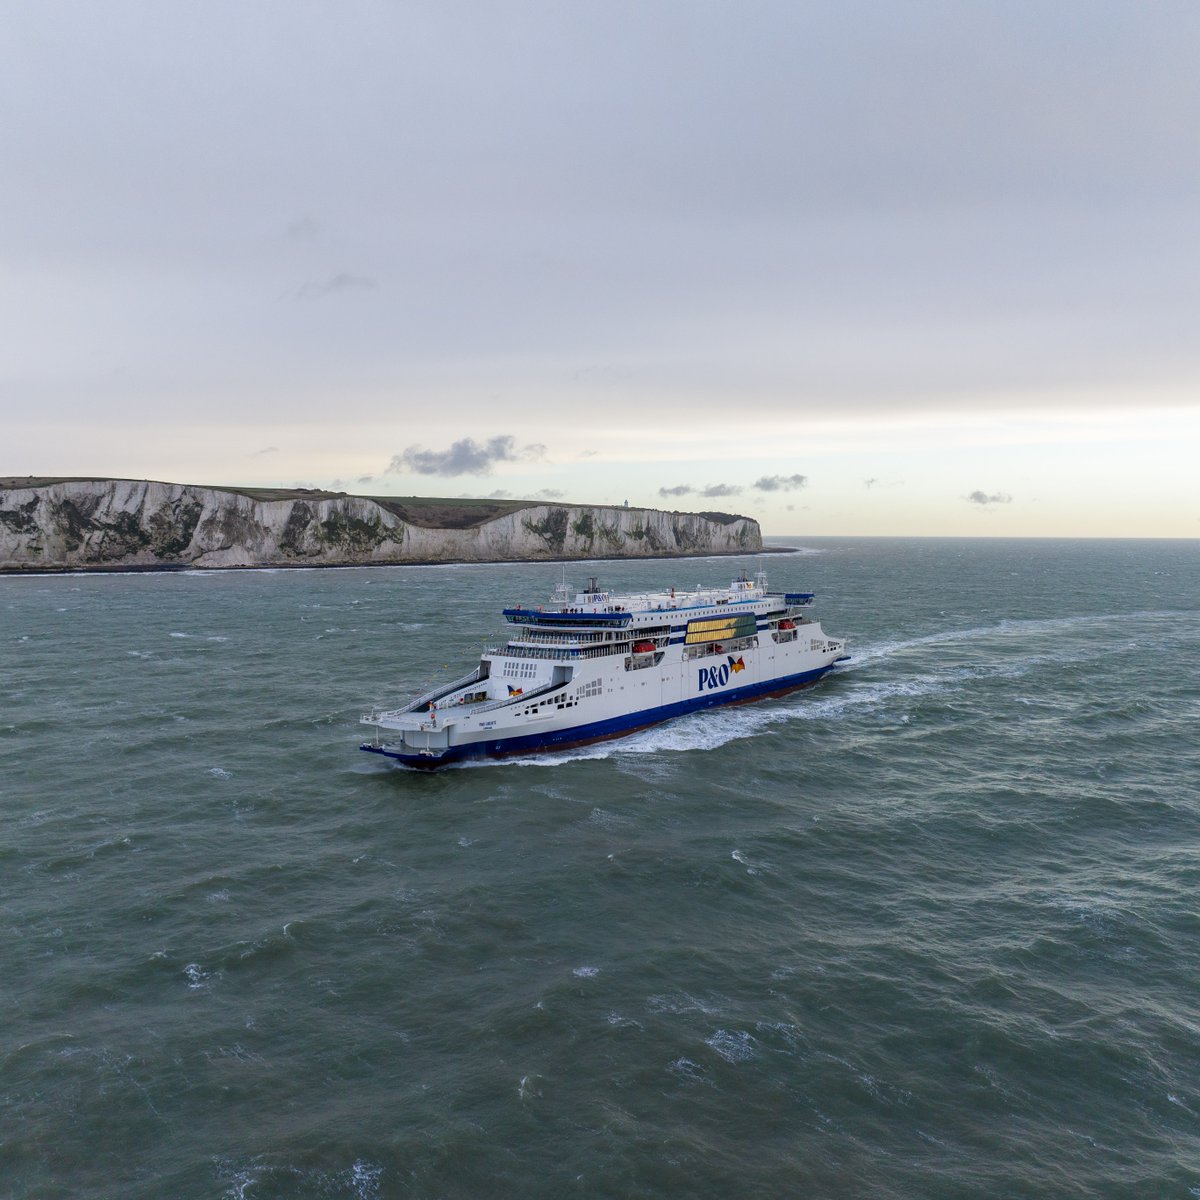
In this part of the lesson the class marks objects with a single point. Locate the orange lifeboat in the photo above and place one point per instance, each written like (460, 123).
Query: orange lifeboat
(787, 623)
(643, 647)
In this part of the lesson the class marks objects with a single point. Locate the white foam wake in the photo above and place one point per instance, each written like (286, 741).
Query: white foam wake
(850, 690)
(1005, 629)
(713, 728)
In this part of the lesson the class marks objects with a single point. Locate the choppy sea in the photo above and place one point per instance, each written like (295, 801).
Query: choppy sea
(929, 929)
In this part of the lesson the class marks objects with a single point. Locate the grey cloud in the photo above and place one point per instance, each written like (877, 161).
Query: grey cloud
(464, 457)
(267, 450)
(365, 479)
(1003, 210)
(316, 289)
(303, 228)
(715, 490)
(683, 489)
(499, 494)
(550, 494)
(781, 483)
(978, 497)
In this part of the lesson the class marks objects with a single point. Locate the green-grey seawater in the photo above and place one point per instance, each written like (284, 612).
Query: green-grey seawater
(929, 929)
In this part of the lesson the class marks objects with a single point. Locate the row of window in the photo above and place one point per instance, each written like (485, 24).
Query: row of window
(746, 643)
(567, 638)
(520, 670)
(571, 638)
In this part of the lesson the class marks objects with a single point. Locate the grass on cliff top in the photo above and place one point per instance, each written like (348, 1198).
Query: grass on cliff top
(434, 512)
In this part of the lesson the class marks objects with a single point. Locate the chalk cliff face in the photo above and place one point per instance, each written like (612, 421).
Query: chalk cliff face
(131, 523)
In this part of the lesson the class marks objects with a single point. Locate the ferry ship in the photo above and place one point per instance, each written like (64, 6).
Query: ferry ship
(594, 665)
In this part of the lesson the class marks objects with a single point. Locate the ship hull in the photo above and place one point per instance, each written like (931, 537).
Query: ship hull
(571, 737)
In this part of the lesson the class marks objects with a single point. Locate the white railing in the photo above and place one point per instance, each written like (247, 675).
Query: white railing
(507, 700)
(564, 654)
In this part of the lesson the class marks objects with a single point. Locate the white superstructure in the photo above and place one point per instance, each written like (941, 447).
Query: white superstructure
(597, 665)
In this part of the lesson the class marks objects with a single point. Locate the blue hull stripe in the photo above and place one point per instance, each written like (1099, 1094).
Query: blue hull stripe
(598, 731)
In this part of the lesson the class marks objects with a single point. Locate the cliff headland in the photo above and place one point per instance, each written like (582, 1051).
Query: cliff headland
(132, 524)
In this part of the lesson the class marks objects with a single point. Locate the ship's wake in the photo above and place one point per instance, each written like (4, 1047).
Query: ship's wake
(880, 675)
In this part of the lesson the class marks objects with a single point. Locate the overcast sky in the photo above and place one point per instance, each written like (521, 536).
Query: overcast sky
(911, 268)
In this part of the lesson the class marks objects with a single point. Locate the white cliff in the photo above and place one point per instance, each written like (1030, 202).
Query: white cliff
(112, 523)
